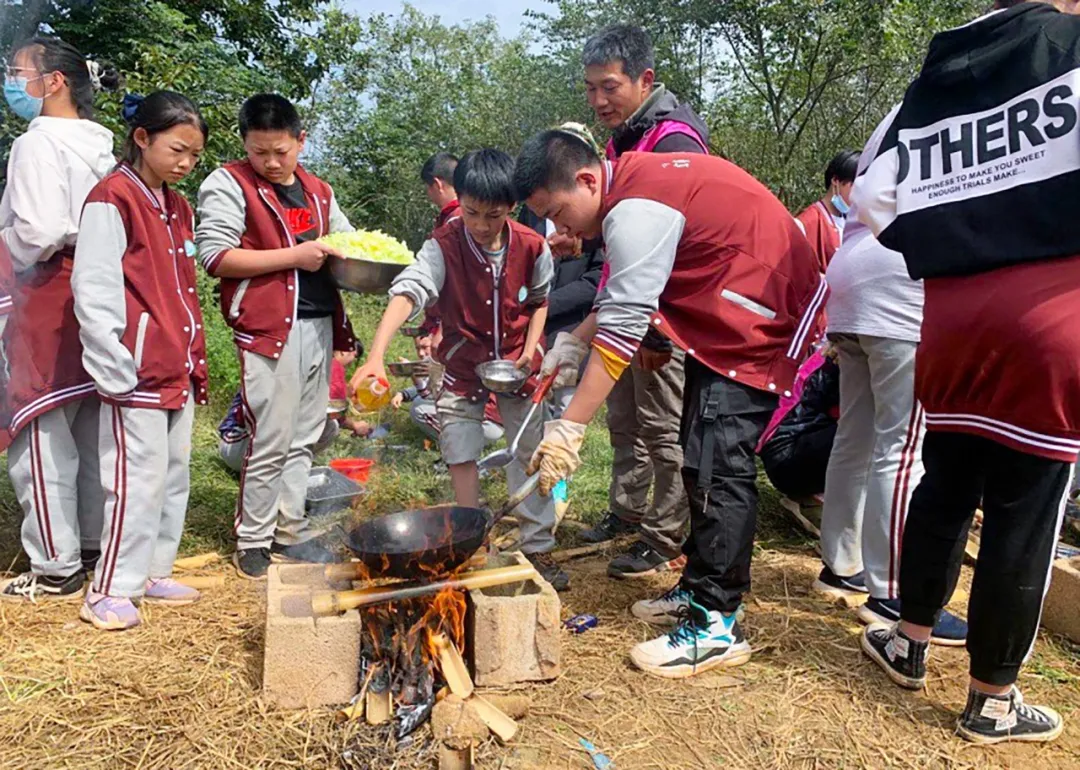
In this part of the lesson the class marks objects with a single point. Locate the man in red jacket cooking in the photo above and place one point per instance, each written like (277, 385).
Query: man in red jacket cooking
(705, 254)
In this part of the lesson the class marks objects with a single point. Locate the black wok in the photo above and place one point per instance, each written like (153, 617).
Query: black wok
(429, 541)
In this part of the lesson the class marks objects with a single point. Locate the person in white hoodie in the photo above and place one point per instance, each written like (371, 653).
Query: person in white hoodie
(875, 317)
(49, 404)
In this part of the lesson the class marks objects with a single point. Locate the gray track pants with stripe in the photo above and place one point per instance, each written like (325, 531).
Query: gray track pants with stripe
(286, 400)
(53, 464)
(876, 461)
(145, 469)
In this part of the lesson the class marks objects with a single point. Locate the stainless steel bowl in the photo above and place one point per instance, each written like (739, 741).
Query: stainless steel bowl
(362, 276)
(501, 376)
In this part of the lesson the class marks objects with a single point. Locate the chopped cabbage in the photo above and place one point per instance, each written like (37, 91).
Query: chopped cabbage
(371, 245)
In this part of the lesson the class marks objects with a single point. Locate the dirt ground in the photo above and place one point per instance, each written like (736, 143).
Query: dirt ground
(182, 691)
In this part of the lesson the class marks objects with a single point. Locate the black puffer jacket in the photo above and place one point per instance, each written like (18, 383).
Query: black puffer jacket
(817, 408)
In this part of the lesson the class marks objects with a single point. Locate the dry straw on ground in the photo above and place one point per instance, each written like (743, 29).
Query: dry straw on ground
(183, 692)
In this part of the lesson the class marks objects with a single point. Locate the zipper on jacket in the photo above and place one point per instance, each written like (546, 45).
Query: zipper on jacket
(140, 340)
(234, 308)
(292, 242)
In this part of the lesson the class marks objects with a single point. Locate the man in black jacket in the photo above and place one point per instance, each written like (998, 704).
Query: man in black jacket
(645, 408)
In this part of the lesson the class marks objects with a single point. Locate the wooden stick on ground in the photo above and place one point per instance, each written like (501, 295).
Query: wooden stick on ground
(499, 723)
(455, 759)
(589, 550)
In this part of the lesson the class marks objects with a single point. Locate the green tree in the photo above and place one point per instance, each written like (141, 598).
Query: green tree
(421, 86)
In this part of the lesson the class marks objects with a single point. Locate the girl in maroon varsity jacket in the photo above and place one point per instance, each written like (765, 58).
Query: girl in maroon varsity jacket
(141, 328)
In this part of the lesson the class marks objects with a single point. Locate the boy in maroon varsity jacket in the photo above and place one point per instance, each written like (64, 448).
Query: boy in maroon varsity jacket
(705, 254)
(141, 328)
(258, 223)
(488, 278)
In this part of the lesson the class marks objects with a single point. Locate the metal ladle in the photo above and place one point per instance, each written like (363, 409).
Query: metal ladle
(504, 457)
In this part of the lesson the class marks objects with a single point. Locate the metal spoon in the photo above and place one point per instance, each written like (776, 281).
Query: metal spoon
(504, 457)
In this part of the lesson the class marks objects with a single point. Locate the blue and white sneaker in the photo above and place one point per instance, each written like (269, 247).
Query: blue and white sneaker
(703, 640)
(839, 588)
(664, 611)
(949, 630)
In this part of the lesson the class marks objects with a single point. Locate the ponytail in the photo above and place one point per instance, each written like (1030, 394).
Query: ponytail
(84, 77)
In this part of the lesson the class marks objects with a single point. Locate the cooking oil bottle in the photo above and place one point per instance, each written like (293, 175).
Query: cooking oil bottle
(372, 395)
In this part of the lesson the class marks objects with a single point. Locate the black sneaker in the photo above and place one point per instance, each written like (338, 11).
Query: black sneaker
(996, 718)
(31, 587)
(949, 630)
(252, 563)
(641, 560)
(903, 659)
(549, 570)
(837, 587)
(609, 528)
(89, 558)
(309, 551)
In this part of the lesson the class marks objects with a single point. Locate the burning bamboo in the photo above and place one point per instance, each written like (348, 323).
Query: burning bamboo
(335, 602)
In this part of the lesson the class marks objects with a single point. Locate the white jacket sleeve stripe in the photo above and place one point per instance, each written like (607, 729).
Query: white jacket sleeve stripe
(97, 282)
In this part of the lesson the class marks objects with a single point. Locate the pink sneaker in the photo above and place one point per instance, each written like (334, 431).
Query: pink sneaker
(109, 613)
(170, 592)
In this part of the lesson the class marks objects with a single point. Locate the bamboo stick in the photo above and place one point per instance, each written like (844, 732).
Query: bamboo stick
(453, 667)
(499, 723)
(196, 562)
(334, 602)
(201, 582)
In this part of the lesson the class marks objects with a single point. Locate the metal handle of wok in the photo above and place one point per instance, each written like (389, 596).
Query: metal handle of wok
(517, 498)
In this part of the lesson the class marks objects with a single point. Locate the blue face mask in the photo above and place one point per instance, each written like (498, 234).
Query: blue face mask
(21, 103)
(841, 205)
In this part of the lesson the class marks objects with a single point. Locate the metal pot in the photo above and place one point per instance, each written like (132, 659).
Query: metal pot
(501, 376)
(362, 276)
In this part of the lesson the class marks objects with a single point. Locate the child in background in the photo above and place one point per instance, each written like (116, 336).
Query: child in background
(50, 409)
(260, 219)
(488, 278)
(143, 345)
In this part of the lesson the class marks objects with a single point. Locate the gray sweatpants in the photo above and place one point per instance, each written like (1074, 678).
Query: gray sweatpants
(644, 411)
(286, 400)
(145, 469)
(876, 461)
(462, 439)
(425, 416)
(53, 464)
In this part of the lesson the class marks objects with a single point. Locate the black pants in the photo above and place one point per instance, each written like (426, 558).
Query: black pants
(1023, 501)
(721, 425)
(796, 465)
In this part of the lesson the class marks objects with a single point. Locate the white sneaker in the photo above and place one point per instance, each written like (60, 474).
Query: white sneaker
(702, 641)
(664, 611)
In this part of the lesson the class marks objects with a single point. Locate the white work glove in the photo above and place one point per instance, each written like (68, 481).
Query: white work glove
(558, 455)
(565, 357)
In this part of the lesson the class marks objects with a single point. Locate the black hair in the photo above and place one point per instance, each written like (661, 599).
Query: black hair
(627, 43)
(159, 112)
(486, 175)
(441, 165)
(269, 112)
(550, 161)
(845, 167)
(83, 76)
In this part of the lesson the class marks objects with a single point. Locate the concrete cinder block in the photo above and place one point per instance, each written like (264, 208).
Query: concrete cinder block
(308, 661)
(514, 631)
(1060, 610)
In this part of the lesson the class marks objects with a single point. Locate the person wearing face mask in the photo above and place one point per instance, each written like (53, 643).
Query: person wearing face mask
(823, 221)
(51, 409)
